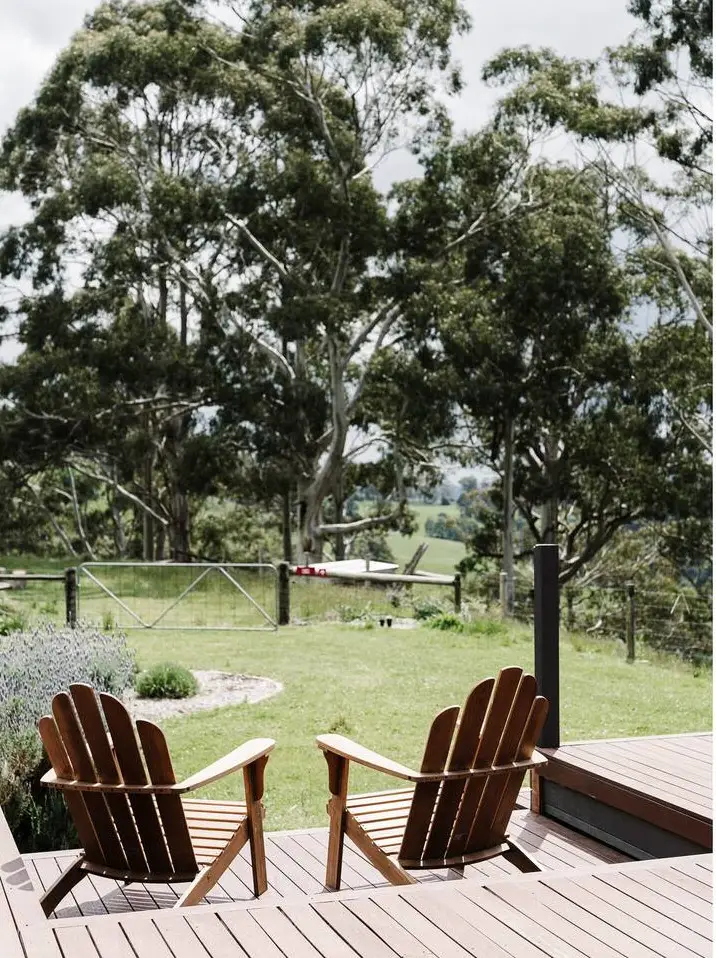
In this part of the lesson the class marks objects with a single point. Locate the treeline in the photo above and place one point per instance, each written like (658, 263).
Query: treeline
(228, 331)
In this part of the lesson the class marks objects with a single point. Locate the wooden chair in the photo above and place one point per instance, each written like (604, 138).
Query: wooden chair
(459, 808)
(126, 804)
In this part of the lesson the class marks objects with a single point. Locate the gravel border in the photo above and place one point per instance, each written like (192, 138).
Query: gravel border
(216, 690)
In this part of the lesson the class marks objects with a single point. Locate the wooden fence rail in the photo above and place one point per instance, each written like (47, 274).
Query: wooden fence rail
(69, 577)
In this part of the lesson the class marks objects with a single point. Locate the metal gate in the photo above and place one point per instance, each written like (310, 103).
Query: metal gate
(180, 596)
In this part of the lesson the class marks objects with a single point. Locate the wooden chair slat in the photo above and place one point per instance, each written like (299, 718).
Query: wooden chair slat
(90, 718)
(129, 761)
(97, 753)
(498, 711)
(506, 752)
(161, 772)
(462, 756)
(530, 737)
(60, 762)
(437, 749)
(73, 740)
(462, 816)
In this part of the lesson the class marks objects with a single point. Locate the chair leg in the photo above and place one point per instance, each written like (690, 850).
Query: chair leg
(521, 858)
(334, 863)
(338, 787)
(62, 885)
(208, 877)
(391, 870)
(258, 849)
(254, 789)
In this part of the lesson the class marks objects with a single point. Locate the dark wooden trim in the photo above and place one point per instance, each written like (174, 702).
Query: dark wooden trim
(691, 827)
(628, 833)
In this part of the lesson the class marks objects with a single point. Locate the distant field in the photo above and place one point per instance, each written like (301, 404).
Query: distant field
(442, 555)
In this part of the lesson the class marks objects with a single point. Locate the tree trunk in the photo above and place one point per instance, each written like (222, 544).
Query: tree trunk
(181, 539)
(310, 543)
(147, 520)
(550, 507)
(160, 543)
(286, 526)
(120, 539)
(508, 542)
(183, 316)
(340, 541)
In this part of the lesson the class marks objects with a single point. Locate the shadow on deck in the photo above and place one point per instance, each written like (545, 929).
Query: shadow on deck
(296, 862)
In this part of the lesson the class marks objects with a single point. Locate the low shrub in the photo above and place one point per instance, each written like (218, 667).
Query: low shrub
(446, 622)
(11, 620)
(426, 609)
(167, 680)
(34, 665)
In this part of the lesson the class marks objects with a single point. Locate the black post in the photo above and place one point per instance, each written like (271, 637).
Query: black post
(284, 594)
(546, 567)
(71, 596)
(457, 583)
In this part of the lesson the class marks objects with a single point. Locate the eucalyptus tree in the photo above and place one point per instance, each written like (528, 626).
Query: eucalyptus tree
(127, 156)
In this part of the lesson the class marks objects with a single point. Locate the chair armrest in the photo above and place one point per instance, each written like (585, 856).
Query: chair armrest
(243, 755)
(340, 745)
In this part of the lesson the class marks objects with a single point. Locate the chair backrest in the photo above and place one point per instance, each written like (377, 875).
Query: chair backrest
(92, 741)
(500, 723)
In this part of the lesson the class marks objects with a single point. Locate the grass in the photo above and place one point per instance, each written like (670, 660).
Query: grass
(379, 686)
(383, 687)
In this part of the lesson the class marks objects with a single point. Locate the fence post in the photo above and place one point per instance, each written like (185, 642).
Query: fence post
(546, 632)
(284, 594)
(630, 621)
(71, 596)
(457, 585)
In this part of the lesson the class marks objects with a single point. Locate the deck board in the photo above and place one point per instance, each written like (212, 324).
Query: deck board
(645, 909)
(296, 864)
(652, 796)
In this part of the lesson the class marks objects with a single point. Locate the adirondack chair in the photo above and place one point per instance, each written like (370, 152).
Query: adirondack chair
(128, 808)
(459, 807)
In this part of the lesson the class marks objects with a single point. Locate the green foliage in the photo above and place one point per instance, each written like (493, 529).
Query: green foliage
(371, 545)
(34, 665)
(11, 619)
(426, 609)
(446, 622)
(166, 680)
(231, 532)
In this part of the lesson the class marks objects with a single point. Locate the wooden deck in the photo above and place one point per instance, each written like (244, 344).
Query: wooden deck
(632, 910)
(590, 900)
(296, 862)
(649, 797)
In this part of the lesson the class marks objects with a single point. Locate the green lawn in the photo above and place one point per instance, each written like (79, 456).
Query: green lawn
(382, 688)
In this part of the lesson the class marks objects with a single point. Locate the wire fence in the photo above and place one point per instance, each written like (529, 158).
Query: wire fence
(178, 596)
(314, 597)
(678, 621)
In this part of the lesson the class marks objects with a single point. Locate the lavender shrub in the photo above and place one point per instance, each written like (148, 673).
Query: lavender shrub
(34, 665)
